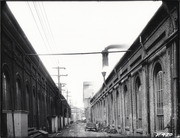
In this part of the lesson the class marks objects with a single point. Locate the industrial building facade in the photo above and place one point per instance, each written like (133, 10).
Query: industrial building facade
(141, 96)
(30, 98)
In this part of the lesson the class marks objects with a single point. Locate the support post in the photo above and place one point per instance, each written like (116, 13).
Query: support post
(0, 67)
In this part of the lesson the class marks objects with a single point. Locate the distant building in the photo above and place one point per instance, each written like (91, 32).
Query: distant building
(88, 91)
(77, 114)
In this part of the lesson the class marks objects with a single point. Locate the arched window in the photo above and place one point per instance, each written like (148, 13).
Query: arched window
(27, 98)
(42, 109)
(51, 105)
(43, 104)
(34, 107)
(6, 104)
(138, 103)
(39, 103)
(126, 105)
(18, 94)
(111, 108)
(34, 101)
(104, 104)
(158, 83)
(47, 104)
(39, 109)
(117, 107)
(65, 112)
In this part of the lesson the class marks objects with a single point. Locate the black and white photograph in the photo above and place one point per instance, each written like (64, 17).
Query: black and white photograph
(90, 68)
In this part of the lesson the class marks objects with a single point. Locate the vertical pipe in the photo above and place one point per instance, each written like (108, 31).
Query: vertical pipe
(175, 87)
(178, 68)
(148, 100)
(108, 105)
(13, 85)
(131, 92)
(13, 104)
(147, 87)
(122, 108)
(0, 68)
(36, 97)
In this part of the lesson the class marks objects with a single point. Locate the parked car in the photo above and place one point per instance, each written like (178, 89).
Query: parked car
(90, 126)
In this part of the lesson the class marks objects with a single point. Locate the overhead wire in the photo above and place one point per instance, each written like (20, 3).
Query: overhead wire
(84, 53)
(49, 27)
(40, 20)
(36, 23)
(46, 27)
(43, 27)
(45, 22)
(34, 18)
(45, 17)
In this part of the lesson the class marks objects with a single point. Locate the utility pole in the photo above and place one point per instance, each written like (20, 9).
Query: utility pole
(59, 75)
(67, 95)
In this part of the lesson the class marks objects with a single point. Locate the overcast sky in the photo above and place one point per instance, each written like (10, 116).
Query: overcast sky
(65, 27)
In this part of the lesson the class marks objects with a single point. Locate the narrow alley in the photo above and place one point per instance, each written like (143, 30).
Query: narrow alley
(90, 69)
(78, 130)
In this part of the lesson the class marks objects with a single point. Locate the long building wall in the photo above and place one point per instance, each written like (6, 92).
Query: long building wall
(140, 97)
(30, 98)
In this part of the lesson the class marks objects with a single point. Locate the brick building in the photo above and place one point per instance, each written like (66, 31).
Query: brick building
(141, 94)
(30, 98)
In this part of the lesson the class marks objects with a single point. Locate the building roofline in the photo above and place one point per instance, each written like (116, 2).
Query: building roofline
(156, 18)
(23, 40)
